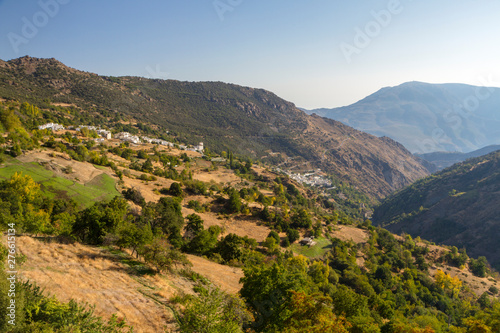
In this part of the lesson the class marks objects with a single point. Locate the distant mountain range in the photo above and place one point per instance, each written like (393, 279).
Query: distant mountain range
(427, 117)
(444, 159)
(457, 206)
(247, 121)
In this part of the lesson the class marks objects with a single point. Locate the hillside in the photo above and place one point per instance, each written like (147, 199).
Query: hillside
(427, 118)
(457, 206)
(250, 122)
(250, 222)
(445, 159)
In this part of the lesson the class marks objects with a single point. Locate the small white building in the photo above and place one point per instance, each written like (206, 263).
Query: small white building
(309, 241)
(199, 147)
(104, 134)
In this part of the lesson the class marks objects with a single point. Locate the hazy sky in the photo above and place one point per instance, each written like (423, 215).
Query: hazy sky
(315, 53)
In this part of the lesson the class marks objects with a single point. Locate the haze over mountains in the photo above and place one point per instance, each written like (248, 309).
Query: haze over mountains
(445, 159)
(248, 121)
(427, 117)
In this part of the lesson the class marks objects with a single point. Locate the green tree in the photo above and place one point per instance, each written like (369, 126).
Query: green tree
(301, 219)
(230, 248)
(479, 267)
(204, 242)
(233, 204)
(271, 244)
(194, 224)
(93, 223)
(134, 236)
(292, 235)
(147, 166)
(214, 311)
(275, 235)
(9, 119)
(267, 290)
(313, 314)
(169, 219)
(175, 189)
(162, 255)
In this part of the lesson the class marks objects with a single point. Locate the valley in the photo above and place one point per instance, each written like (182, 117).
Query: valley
(185, 207)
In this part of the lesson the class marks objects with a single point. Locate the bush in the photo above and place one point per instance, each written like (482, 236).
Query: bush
(292, 235)
(233, 204)
(196, 187)
(195, 204)
(134, 195)
(274, 234)
(301, 219)
(175, 190)
(479, 266)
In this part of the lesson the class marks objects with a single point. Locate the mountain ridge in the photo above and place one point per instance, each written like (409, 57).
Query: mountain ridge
(427, 117)
(248, 121)
(446, 159)
(456, 206)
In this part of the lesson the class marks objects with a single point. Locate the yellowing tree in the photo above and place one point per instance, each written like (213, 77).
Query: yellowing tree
(446, 282)
(314, 314)
(25, 187)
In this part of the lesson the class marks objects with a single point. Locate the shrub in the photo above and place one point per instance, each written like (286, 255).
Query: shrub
(134, 195)
(195, 204)
(175, 190)
(292, 235)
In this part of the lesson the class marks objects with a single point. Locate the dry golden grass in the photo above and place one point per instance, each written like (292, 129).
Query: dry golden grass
(349, 233)
(89, 274)
(82, 172)
(93, 275)
(240, 225)
(219, 176)
(225, 277)
(476, 284)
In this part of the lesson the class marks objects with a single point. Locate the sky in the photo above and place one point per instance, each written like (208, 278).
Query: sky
(314, 53)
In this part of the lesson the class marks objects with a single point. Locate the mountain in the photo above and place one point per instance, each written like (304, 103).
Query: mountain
(353, 263)
(250, 122)
(457, 206)
(444, 159)
(427, 117)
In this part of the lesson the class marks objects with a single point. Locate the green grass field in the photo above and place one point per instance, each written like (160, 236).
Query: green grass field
(100, 188)
(316, 251)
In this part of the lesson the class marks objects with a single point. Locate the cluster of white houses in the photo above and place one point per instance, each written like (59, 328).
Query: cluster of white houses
(103, 133)
(51, 126)
(124, 136)
(312, 178)
(58, 127)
